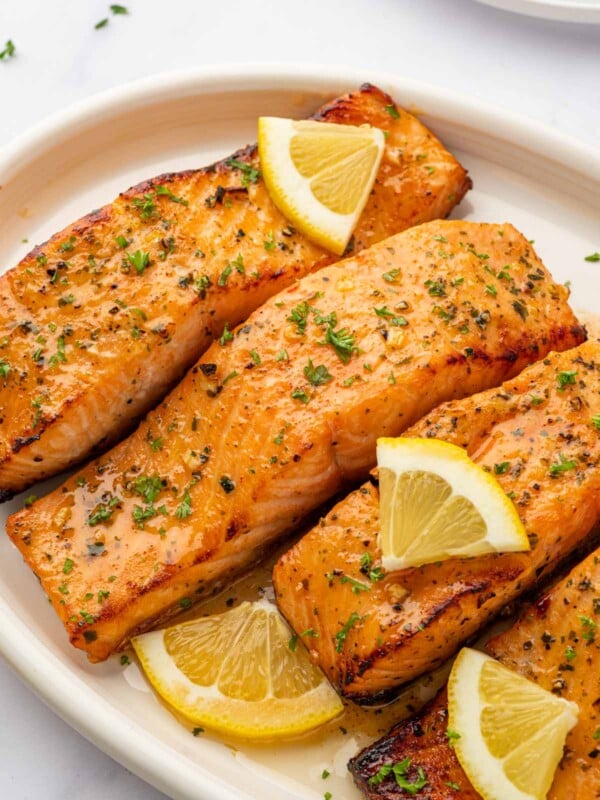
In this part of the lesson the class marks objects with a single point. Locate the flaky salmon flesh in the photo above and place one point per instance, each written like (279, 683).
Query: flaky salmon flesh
(98, 323)
(277, 415)
(537, 435)
(554, 643)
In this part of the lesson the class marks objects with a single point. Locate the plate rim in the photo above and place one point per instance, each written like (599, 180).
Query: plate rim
(125, 740)
(556, 10)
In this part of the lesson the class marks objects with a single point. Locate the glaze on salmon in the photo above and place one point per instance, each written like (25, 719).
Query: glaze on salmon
(554, 643)
(278, 414)
(537, 434)
(99, 322)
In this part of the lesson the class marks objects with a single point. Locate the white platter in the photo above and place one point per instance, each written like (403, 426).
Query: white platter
(547, 185)
(561, 10)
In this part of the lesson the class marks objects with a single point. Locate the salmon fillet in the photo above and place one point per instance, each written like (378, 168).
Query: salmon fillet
(274, 418)
(537, 435)
(99, 322)
(554, 644)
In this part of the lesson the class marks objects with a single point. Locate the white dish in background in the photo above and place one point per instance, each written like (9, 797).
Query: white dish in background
(561, 10)
(546, 184)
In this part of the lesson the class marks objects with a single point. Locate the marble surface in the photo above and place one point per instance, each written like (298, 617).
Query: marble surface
(547, 71)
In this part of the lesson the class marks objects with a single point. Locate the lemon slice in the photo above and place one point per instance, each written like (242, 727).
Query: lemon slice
(435, 503)
(509, 732)
(319, 174)
(236, 673)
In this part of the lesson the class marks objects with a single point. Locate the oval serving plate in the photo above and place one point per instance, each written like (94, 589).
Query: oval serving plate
(560, 10)
(547, 185)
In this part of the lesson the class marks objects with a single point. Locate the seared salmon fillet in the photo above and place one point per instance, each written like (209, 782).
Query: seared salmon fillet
(99, 322)
(554, 644)
(276, 416)
(538, 434)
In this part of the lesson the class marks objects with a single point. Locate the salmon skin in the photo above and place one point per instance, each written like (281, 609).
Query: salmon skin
(99, 322)
(276, 416)
(537, 435)
(554, 643)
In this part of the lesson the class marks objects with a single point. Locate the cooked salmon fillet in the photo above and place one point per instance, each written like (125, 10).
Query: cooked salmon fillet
(537, 435)
(274, 418)
(554, 644)
(99, 322)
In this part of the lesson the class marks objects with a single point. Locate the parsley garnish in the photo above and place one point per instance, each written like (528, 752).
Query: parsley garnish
(341, 635)
(342, 342)
(59, 356)
(452, 736)
(249, 173)
(184, 509)
(68, 245)
(269, 244)
(566, 378)
(299, 315)
(400, 772)
(392, 111)
(589, 628)
(122, 242)
(563, 466)
(145, 205)
(226, 336)
(139, 260)
(501, 468)
(521, 309)
(299, 394)
(317, 375)
(103, 512)
(9, 50)
(357, 586)
(4, 369)
(162, 190)
(294, 638)
(592, 257)
(595, 419)
(435, 288)
(119, 9)
(387, 314)
(224, 275)
(391, 276)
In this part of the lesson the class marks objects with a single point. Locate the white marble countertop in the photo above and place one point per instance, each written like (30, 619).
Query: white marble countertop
(544, 70)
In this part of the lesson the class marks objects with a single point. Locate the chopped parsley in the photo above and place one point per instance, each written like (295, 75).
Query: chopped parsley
(593, 257)
(68, 566)
(122, 242)
(145, 205)
(342, 634)
(59, 357)
(342, 342)
(317, 375)
(119, 9)
(595, 419)
(294, 638)
(139, 260)
(563, 466)
(68, 245)
(269, 244)
(9, 50)
(501, 468)
(249, 173)
(566, 378)
(256, 359)
(224, 275)
(392, 111)
(299, 316)
(400, 772)
(103, 511)
(435, 288)
(300, 394)
(163, 191)
(452, 736)
(226, 336)
(4, 369)
(391, 276)
(384, 312)
(184, 509)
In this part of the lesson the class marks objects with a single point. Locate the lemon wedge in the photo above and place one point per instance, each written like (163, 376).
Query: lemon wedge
(319, 174)
(241, 673)
(435, 503)
(508, 732)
